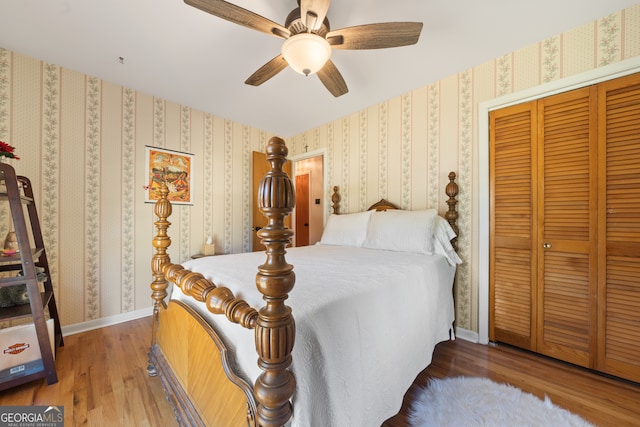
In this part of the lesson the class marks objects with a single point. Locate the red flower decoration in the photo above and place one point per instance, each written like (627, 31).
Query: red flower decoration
(7, 151)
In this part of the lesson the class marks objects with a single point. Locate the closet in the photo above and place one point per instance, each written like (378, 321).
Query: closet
(565, 226)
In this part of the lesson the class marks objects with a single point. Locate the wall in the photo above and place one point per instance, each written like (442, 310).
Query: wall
(82, 143)
(402, 149)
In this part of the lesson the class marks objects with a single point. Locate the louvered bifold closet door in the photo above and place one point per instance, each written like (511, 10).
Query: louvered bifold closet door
(619, 241)
(512, 253)
(567, 217)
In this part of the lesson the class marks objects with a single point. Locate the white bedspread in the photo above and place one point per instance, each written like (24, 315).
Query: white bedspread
(367, 322)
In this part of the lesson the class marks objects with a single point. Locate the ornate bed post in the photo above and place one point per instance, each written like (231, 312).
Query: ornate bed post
(275, 328)
(335, 201)
(160, 242)
(452, 214)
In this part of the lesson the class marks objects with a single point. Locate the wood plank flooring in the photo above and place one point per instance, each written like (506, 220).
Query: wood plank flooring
(103, 381)
(601, 400)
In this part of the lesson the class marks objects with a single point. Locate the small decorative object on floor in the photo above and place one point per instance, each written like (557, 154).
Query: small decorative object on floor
(471, 402)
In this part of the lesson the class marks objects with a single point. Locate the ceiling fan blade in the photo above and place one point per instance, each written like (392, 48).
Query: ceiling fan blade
(313, 12)
(237, 15)
(376, 36)
(267, 71)
(332, 79)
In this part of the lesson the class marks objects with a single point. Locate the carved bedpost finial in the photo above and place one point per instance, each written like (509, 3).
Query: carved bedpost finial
(452, 214)
(275, 328)
(161, 242)
(335, 200)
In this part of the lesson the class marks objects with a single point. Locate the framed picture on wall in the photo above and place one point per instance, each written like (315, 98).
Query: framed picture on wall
(174, 168)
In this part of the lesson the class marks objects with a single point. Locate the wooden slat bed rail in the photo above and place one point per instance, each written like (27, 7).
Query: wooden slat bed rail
(273, 323)
(219, 300)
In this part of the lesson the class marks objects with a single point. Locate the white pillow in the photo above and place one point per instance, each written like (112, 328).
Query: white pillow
(402, 231)
(442, 235)
(346, 230)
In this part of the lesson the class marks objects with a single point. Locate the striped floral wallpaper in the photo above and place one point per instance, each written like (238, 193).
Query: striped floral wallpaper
(82, 143)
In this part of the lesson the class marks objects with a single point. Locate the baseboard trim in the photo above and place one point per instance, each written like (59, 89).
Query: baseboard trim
(467, 335)
(106, 321)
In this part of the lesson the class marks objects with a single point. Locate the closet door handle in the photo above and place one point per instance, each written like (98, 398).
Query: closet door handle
(546, 245)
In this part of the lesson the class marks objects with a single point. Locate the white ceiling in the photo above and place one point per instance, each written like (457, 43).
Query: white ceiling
(179, 53)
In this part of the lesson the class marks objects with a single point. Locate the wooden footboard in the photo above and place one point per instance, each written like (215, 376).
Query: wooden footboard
(192, 361)
(273, 324)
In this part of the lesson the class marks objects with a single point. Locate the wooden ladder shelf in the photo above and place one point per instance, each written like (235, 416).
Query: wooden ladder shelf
(26, 260)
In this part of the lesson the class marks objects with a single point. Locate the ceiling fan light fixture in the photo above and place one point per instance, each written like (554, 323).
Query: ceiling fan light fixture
(306, 53)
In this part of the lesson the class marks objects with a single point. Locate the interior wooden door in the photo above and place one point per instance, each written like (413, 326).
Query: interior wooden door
(567, 231)
(512, 226)
(260, 168)
(302, 210)
(619, 228)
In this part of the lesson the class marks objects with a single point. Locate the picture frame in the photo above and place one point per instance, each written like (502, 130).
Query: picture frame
(173, 168)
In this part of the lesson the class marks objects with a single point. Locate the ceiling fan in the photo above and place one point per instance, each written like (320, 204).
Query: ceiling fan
(309, 39)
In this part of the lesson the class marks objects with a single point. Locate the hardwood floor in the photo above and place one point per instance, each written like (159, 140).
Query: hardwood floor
(103, 381)
(601, 400)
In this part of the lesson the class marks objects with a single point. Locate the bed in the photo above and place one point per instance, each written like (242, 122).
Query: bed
(371, 300)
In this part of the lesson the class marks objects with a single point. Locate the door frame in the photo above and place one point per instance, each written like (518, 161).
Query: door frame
(325, 191)
(481, 184)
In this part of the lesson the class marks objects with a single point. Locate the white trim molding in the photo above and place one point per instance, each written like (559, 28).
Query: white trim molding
(106, 321)
(467, 335)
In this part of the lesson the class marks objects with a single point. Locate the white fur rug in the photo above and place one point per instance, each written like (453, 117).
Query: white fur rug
(468, 402)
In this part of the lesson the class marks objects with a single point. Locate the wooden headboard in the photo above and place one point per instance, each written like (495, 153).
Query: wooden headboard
(451, 215)
(382, 205)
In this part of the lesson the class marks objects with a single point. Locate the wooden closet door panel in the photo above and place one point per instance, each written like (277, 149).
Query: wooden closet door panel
(567, 218)
(619, 241)
(511, 270)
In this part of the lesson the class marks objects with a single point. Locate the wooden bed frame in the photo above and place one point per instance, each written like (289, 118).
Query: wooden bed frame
(193, 362)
